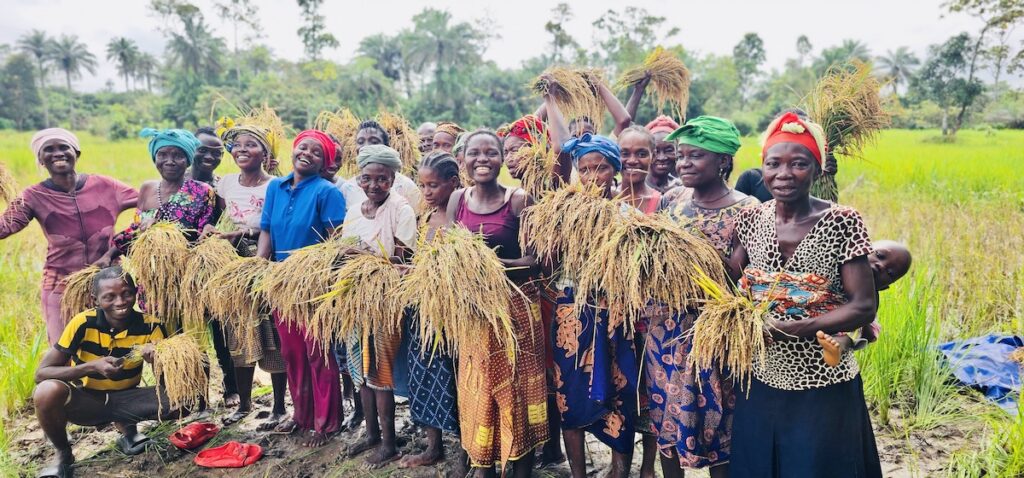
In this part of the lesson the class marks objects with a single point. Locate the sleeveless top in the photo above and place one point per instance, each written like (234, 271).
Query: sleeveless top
(500, 228)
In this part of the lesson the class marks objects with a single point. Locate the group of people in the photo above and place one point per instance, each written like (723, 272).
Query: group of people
(578, 370)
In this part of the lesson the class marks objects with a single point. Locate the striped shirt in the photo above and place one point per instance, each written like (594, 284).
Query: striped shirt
(89, 337)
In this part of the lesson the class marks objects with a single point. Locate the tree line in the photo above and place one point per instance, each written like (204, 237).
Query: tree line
(435, 69)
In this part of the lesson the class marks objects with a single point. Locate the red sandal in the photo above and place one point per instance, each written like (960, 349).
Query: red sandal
(230, 455)
(194, 435)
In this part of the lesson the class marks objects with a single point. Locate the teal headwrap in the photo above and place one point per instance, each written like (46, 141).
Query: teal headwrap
(714, 134)
(179, 138)
(380, 154)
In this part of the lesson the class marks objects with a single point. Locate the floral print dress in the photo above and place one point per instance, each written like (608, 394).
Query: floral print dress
(191, 208)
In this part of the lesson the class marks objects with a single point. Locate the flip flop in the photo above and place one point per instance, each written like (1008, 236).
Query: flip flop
(194, 435)
(135, 446)
(62, 470)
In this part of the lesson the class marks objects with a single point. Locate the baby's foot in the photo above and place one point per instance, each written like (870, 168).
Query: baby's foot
(830, 349)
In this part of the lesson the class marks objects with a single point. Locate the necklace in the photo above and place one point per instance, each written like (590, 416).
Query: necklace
(702, 204)
(159, 195)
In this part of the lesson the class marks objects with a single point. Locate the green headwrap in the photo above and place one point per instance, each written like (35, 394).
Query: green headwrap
(380, 154)
(460, 143)
(714, 134)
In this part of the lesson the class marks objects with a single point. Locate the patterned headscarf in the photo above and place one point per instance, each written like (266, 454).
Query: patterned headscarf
(179, 138)
(789, 128)
(710, 133)
(450, 128)
(662, 124)
(592, 143)
(43, 136)
(257, 133)
(529, 128)
(330, 149)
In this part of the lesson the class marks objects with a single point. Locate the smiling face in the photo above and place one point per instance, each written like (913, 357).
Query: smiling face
(376, 180)
(426, 134)
(664, 155)
(436, 190)
(595, 169)
(208, 154)
(698, 167)
(443, 142)
(308, 158)
(248, 153)
(635, 149)
(171, 163)
(116, 297)
(511, 145)
(367, 136)
(789, 171)
(889, 261)
(58, 157)
(483, 158)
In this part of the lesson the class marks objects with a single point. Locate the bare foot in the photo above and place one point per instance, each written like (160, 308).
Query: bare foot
(362, 445)
(235, 417)
(550, 458)
(272, 422)
(231, 400)
(830, 349)
(427, 458)
(286, 427)
(316, 440)
(380, 457)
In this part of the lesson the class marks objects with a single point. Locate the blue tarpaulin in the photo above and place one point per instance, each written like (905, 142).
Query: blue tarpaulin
(984, 363)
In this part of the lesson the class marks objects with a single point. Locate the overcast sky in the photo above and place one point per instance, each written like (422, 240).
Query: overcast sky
(705, 26)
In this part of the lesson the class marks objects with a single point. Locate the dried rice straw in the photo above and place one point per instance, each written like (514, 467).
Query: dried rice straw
(77, 292)
(204, 260)
(156, 261)
(536, 165)
(179, 365)
(363, 298)
(729, 332)
(574, 92)
(343, 125)
(568, 225)
(647, 257)
(459, 287)
(8, 186)
(403, 138)
(293, 285)
(234, 297)
(670, 80)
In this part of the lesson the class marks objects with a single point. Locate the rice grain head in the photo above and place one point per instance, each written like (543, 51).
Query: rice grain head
(536, 165)
(180, 365)
(847, 104)
(343, 125)
(77, 296)
(204, 261)
(235, 299)
(156, 261)
(574, 91)
(670, 81)
(729, 332)
(293, 285)
(646, 258)
(363, 298)
(404, 139)
(459, 288)
(8, 186)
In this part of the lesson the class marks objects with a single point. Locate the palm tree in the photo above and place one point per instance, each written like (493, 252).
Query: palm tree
(435, 42)
(37, 45)
(72, 56)
(195, 49)
(145, 68)
(386, 52)
(125, 53)
(841, 56)
(898, 66)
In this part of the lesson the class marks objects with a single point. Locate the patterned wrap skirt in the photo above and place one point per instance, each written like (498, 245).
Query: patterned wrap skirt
(432, 391)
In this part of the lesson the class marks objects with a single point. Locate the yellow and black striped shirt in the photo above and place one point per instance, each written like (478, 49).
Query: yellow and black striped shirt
(89, 337)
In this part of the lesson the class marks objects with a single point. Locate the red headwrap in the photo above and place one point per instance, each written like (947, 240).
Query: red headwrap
(330, 150)
(528, 128)
(789, 128)
(662, 124)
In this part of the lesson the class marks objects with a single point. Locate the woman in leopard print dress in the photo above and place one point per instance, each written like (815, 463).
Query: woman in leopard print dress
(808, 258)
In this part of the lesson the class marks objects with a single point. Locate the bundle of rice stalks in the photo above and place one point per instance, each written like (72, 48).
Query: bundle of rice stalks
(729, 332)
(647, 257)
(204, 261)
(77, 292)
(403, 138)
(670, 80)
(263, 117)
(363, 298)
(343, 125)
(8, 186)
(156, 261)
(847, 104)
(573, 92)
(234, 297)
(293, 285)
(569, 224)
(179, 365)
(536, 166)
(458, 286)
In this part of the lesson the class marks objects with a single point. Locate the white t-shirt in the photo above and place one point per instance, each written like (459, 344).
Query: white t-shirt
(394, 219)
(243, 205)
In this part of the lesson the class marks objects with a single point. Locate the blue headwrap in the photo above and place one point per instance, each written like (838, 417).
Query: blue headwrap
(592, 143)
(179, 138)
